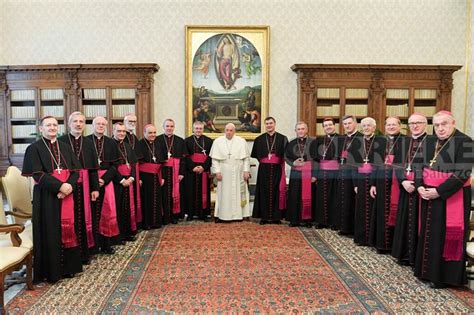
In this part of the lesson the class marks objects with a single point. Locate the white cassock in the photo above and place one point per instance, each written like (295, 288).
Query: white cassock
(231, 158)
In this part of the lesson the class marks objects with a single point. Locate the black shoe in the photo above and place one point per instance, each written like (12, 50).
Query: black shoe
(318, 226)
(403, 263)
(293, 225)
(204, 219)
(343, 233)
(276, 222)
(438, 285)
(69, 275)
(122, 242)
(217, 220)
(130, 238)
(263, 222)
(146, 228)
(174, 221)
(189, 218)
(108, 251)
(308, 224)
(86, 262)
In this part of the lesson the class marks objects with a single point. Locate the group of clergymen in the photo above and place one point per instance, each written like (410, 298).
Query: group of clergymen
(405, 195)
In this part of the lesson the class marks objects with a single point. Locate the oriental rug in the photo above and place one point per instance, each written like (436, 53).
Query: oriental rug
(241, 268)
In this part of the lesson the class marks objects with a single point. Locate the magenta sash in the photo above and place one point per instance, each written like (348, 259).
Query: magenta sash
(84, 179)
(394, 198)
(454, 238)
(174, 164)
(306, 201)
(201, 158)
(329, 165)
(68, 233)
(108, 225)
(366, 168)
(125, 170)
(150, 168)
(282, 186)
(139, 198)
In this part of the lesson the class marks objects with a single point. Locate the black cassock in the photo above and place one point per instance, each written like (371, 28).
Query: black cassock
(432, 262)
(325, 153)
(266, 204)
(126, 216)
(345, 210)
(107, 155)
(150, 175)
(132, 139)
(367, 154)
(173, 147)
(83, 149)
(51, 260)
(385, 206)
(193, 182)
(299, 148)
(405, 235)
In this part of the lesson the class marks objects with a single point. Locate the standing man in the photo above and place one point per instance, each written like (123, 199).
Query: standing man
(386, 187)
(150, 174)
(130, 122)
(104, 210)
(124, 185)
(327, 166)
(54, 168)
(368, 151)
(270, 193)
(231, 166)
(444, 186)
(405, 236)
(345, 210)
(301, 189)
(197, 184)
(87, 189)
(173, 149)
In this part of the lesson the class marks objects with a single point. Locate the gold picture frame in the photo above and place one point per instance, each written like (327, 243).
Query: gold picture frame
(227, 78)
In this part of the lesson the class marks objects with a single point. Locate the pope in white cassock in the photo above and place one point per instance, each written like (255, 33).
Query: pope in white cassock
(231, 165)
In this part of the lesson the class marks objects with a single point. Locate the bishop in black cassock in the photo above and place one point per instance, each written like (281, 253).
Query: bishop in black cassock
(270, 192)
(444, 185)
(54, 168)
(197, 183)
(88, 184)
(172, 170)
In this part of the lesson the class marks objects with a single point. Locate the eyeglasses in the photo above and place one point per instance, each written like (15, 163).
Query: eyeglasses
(416, 123)
(132, 121)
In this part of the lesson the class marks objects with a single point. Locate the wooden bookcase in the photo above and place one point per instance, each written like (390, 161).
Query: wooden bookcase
(379, 91)
(28, 93)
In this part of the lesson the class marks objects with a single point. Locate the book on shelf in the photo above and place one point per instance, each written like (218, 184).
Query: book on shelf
(94, 110)
(94, 94)
(425, 110)
(52, 94)
(22, 95)
(397, 110)
(122, 110)
(23, 131)
(19, 148)
(323, 111)
(357, 93)
(55, 111)
(123, 94)
(23, 112)
(425, 94)
(398, 93)
(328, 92)
(429, 129)
(356, 109)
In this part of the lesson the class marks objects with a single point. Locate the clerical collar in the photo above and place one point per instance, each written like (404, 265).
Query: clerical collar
(302, 138)
(331, 135)
(76, 138)
(98, 136)
(169, 136)
(350, 135)
(271, 134)
(49, 140)
(419, 136)
(368, 138)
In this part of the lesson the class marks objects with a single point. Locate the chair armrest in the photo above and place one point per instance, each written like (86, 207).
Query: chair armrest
(14, 230)
(19, 214)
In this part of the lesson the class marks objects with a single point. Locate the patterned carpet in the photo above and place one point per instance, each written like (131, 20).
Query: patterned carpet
(242, 268)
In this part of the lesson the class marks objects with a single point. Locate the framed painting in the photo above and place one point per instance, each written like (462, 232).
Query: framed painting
(227, 71)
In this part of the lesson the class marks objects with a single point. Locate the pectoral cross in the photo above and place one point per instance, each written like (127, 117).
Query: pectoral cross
(228, 155)
(269, 156)
(408, 169)
(59, 169)
(128, 164)
(204, 151)
(433, 161)
(169, 155)
(99, 161)
(154, 159)
(342, 161)
(366, 160)
(324, 156)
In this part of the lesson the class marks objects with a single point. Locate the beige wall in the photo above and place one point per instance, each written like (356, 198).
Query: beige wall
(302, 31)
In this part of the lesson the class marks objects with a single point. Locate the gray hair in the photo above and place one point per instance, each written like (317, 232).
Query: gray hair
(370, 120)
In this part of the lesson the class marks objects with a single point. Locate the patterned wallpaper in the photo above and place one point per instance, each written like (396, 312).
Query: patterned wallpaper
(302, 31)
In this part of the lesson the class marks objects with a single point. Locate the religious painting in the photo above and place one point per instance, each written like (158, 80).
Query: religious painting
(227, 78)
